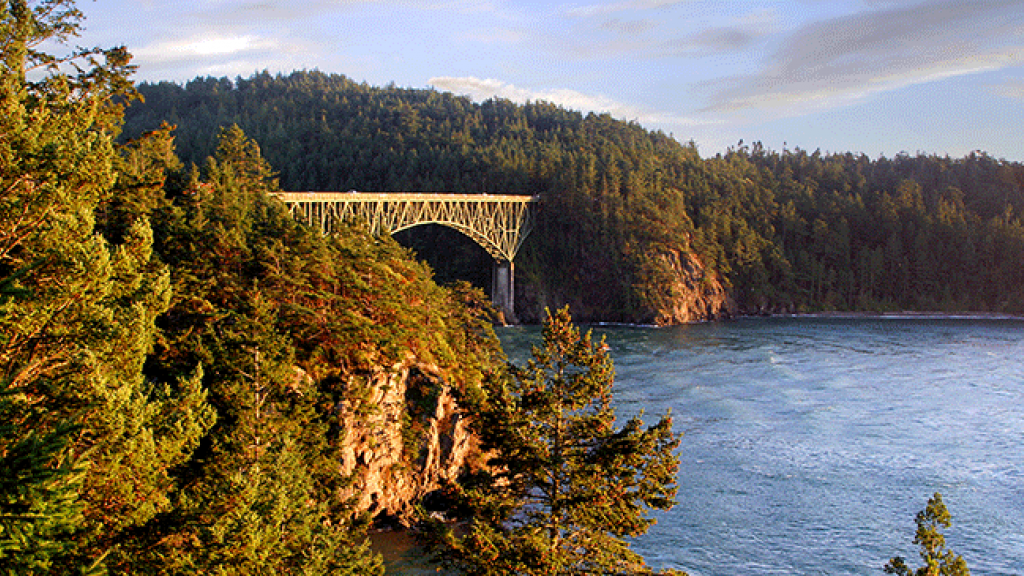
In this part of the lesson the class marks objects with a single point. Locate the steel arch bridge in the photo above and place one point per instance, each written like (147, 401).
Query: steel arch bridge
(499, 223)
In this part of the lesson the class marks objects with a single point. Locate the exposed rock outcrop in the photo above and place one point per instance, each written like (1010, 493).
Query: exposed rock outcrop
(683, 291)
(665, 286)
(404, 438)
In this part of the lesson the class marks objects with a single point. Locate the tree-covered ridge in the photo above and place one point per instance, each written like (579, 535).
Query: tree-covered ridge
(611, 188)
(844, 232)
(788, 230)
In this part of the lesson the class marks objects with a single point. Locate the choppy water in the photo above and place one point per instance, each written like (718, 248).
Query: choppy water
(811, 443)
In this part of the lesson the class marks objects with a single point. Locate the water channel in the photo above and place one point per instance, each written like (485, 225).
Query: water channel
(810, 443)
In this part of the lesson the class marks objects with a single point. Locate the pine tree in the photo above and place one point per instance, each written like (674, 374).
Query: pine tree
(937, 560)
(76, 319)
(564, 486)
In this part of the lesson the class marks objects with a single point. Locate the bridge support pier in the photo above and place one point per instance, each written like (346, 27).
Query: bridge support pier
(503, 289)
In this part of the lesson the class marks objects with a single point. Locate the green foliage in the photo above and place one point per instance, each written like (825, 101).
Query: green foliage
(39, 486)
(907, 233)
(937, 560)
(287, 325)
(563, 486)
(173, 345)
(90, 442)
(257, 498)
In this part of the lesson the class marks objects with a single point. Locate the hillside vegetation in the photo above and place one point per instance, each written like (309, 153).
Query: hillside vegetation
(635, 224)
(179, 359)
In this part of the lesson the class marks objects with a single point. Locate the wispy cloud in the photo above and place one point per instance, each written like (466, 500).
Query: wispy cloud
(832, 62)
(270, 11)
(605, 9)
(628, 26)
(203, 46)
(1013, 89)
(658, 30)
(222, 54)
(483, 89)
(739, 35)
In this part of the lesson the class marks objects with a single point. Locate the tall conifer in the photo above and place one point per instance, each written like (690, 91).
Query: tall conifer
(77, 321)
(565, 487)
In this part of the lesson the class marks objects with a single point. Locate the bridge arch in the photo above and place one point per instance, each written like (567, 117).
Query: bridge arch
(480, 238)
(498, 223)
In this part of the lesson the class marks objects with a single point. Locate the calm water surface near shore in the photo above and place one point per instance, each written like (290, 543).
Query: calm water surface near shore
(810, 443)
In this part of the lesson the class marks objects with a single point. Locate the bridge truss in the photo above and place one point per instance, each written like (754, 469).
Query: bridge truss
(498, 223)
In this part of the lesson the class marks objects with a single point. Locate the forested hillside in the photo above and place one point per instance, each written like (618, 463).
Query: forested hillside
(184, 369)
(613, 205)
(635, 225)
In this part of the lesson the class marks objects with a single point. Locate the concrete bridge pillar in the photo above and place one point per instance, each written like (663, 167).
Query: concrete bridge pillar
(503, 289)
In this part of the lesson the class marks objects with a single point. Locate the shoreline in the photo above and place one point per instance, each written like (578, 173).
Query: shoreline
(838, 315)
(898, 315)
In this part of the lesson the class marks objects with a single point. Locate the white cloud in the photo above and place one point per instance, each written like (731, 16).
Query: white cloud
(483, 89)
(204, 47)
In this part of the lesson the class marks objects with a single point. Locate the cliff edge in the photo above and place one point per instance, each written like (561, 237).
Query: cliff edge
(403, 439)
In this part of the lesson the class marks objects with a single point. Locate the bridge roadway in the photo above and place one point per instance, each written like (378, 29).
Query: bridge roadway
(497, 222)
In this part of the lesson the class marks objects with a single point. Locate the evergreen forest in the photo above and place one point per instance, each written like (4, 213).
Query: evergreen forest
(782, 231)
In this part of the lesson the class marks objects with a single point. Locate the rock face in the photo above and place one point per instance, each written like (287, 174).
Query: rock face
(667, 286)
(685, 292)
(403, 440)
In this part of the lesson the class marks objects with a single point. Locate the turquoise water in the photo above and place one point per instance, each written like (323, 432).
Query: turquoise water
(810, 443)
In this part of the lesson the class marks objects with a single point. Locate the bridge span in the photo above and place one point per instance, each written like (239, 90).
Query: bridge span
(497, 222)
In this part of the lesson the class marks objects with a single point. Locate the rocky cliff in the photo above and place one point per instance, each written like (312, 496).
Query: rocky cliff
(404, 438)
(664, 287)
(681, 290)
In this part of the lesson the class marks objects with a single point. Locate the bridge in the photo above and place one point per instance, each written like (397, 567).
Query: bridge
(498, 223)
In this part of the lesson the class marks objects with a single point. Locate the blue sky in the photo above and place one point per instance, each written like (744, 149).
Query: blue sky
(874, 76)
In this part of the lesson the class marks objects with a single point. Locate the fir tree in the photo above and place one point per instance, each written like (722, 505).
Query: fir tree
(77, 322)
(937, 560)
(565, 487)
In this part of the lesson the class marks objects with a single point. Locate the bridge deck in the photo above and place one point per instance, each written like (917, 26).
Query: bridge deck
(289, 197)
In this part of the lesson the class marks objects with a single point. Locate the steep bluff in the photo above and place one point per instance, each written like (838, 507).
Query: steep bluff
(667, 286)
(684, 291)
(403, 439)
(404, 435)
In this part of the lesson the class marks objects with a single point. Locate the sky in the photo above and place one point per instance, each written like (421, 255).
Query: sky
(879, 77)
